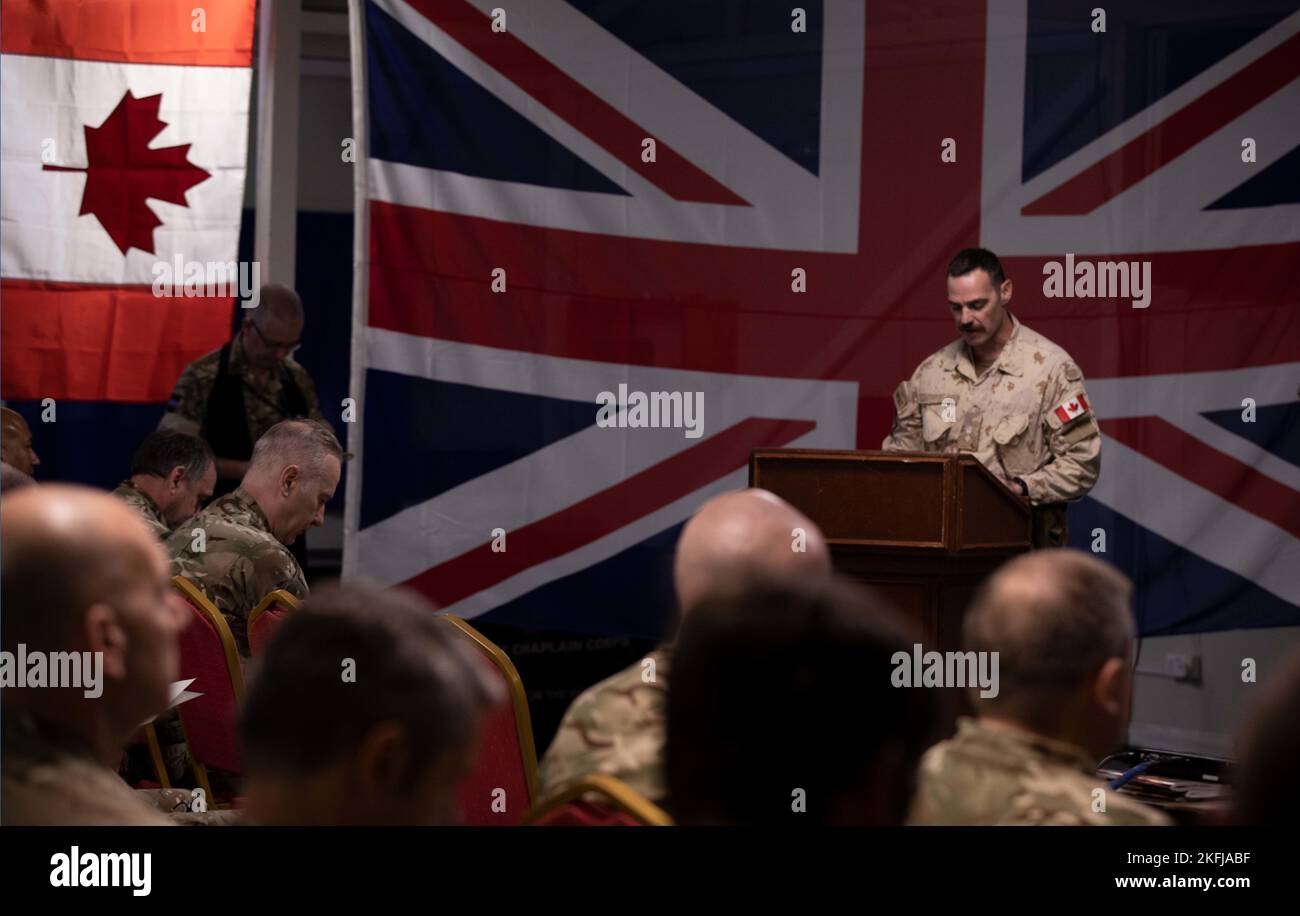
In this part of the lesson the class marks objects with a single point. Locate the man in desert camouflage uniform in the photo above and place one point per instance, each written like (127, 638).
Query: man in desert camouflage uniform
(172, 475)
(618, 727)
(1060, 623)
(233, 395)
(1005, 394)
(235, 550)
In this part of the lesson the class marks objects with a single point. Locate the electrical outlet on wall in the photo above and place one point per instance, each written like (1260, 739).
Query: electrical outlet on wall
(1183, 667)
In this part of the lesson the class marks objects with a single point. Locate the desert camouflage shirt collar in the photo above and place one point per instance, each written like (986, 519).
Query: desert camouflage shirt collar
(1010, 361)
(1006, 742)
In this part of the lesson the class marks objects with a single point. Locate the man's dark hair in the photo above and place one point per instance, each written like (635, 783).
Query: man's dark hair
(160, 452)
(410, 668)
(969, 259)
(777, 687)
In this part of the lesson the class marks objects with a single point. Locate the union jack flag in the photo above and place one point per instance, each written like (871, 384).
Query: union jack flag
(519, 252)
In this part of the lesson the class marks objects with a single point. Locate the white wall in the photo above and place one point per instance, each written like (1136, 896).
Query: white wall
(1202, 716)
(324, 118)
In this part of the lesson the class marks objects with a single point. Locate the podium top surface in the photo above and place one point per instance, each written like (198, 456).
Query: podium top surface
(897, 501)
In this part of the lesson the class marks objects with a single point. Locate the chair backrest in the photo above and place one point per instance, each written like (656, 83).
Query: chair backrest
(507, 758)
(208, 655)
(267, 616)
(597, 800)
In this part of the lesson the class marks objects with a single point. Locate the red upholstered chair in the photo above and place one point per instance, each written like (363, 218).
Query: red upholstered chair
(597, 800)
(507, 759)
(267, 616)
(208, 655)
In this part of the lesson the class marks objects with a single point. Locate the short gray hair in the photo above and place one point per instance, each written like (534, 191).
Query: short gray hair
(1054, 617)
(306, 443)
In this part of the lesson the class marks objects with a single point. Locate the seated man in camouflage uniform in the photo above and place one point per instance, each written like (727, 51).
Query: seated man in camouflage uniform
(82, 574)
(1060, 623)
(235, 549)
(617, 727)
(172, 475)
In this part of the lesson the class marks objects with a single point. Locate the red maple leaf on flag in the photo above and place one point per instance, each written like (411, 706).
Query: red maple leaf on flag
(122, 172)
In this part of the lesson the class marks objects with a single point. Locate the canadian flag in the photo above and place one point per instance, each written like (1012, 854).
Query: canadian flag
(1076, 406)
(125, 132)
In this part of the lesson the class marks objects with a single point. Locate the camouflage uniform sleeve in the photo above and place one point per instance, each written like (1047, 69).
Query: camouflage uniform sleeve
(906, 434)
(571, 753)
(1074, 444)
(183, 561)
(1074, 801)
(617, 728)
(188, 402)
(267, 567)
(254, 574)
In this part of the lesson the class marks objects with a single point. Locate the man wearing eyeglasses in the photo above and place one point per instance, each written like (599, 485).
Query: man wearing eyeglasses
(234, 394)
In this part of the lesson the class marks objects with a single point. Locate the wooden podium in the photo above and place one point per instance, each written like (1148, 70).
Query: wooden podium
(922, 529)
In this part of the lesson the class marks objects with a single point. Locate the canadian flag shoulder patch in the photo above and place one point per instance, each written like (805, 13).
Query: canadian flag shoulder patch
(1072, 408)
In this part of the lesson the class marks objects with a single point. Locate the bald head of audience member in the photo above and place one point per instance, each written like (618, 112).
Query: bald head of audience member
(366, 709)
(293, 473)
(1061, 624)
(82, 574)
(12, 479)
(781, 708)
(1266, 785)
(746, 532)
(16, 442)
(273, 329)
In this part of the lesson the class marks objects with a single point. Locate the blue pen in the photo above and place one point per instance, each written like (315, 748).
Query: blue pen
(1129, 774)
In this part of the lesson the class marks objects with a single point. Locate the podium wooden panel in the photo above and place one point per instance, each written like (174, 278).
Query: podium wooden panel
(922, 529)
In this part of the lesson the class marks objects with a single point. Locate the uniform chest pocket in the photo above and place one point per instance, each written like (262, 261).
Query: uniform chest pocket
(938, 416)
(1015, 445)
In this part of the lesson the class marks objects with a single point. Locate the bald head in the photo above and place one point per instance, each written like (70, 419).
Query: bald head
(279, 303)
(16, 442)
(64, 548)
(80, 573)
(1061, 625)
(742, 534)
